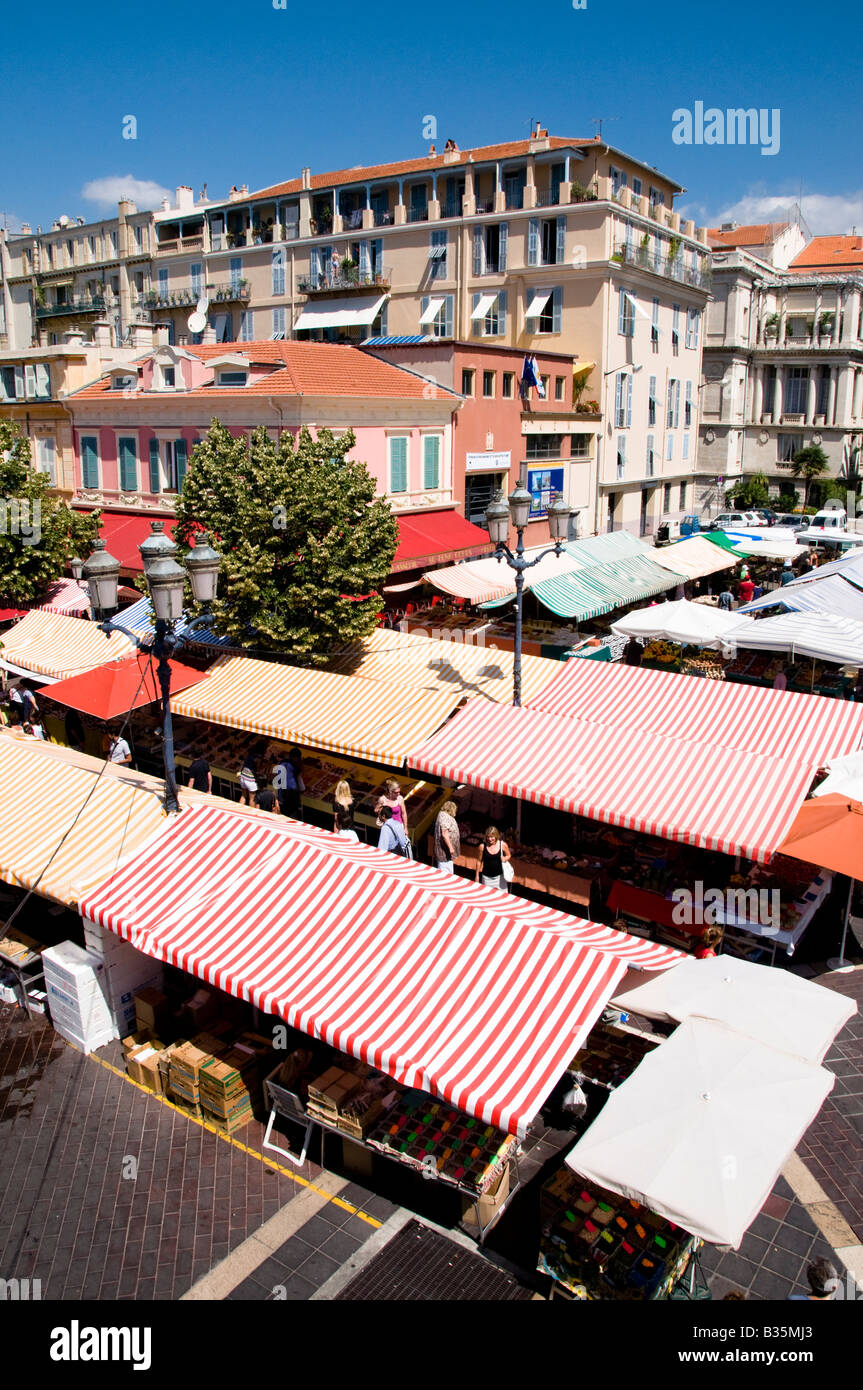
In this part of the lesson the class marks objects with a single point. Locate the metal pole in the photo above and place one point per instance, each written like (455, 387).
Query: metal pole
(161, 650)
(519, 599)
(839, 963)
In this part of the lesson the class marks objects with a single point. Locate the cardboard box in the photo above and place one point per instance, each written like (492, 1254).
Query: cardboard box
(228, 1082)
(328, 1093)
(198, 1010)
(185, 1066)
(135, 1040)
(142, 1064)
(152, 1011)
(484, 1209)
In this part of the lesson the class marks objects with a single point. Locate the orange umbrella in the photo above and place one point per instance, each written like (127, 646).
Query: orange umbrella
(828, 830)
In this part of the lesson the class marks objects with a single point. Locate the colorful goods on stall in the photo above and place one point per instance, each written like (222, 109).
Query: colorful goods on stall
(423, 1132)
(662, 653)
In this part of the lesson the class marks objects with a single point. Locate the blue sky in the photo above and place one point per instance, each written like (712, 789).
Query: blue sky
(225, 93)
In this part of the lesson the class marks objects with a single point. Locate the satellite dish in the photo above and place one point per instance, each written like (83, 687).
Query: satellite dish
(197, 322)
(202, 305)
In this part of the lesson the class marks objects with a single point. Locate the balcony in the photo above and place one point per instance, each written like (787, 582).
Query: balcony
(670, 266)
(75, 306)
(346, 281)
(383, 217)
(352, 221)
(418, 214)
(179, 243)
(547, 197)
(484, 205)
(453, 209)
(223, 294)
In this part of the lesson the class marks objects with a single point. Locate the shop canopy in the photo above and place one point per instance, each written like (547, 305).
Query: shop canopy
(772, 1006)
(746, 546)
(831, 594)
(844, 778)
(430, 538)
(411, 659)
(484, 581)
(600, 588)
(828, 830)
(693, 624)
(8, 615)
(694, 557)
(818, 635)
(138, 617)
(701, 1129)
(110, 692)
(773, 723)
(68, 821)
(65, 596)
(673, 787)
(124, 532)
(52, 646)
(383, 960)
(320, 709)
(850, 567)
(349, 312)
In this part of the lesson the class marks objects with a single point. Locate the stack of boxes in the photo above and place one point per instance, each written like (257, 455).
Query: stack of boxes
(125, 971)
(73, 981)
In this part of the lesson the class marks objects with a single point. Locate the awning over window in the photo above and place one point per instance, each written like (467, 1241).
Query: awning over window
(124, 532)
(111, 691)
(537, 304)
(440, 983)
(483, 304)
(429, 537)
(349, 312)
(437, 253)
(431, 311)
(51, 646)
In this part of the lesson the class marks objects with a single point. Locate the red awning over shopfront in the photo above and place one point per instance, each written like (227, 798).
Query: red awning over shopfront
(112, 691)
(436, 538)
(442, 984)
(124, 532)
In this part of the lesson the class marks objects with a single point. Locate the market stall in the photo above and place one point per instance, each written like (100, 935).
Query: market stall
(815, 593)
(49, 646)
(822, 637)
(684, 623)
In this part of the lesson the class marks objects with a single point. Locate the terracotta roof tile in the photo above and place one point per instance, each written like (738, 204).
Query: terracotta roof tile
(756, 234)
(829, 253)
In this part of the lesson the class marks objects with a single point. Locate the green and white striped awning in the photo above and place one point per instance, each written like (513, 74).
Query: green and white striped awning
(602, 587)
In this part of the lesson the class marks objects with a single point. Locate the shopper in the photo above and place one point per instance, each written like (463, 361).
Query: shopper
(289, 784)
(35, 729)
(29, 708)
(447, 840)
(118, 749)
(780, 680)
(392, 797)
(343, 801)
(345, 825)
(787, 573)
(745, 589)
(265, 800)
(495, 853)
(392, 837)
(823, 1283)
(200, 776)
(248, 773)
(710, 939)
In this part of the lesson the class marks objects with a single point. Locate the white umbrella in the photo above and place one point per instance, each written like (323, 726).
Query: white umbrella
(690, 623)
(845, 778)
(769, 1005)
(821, 636)
(702, 1128)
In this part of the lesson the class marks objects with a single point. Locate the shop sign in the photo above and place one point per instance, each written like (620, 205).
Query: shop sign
(542, 484)
(488, 462)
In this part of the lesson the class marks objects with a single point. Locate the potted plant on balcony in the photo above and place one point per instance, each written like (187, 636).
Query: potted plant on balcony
(825, 325)
(349, 271)
(674, 248)
(771, 326)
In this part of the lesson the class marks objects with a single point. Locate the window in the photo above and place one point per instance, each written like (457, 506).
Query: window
(543, 446)
(651, 402)
(683, 497)
(823, 391)
(70, 253)
(279, 328)
(123, 383)
(488, 384)
(618, 180)
(673, 411)
(163, 282)
(669, 447)
(625, 313)
(621, 456)
(492, 324)
(623, 400)
(545, 385)
(769, 391)
(440, 325)
(431, 461)
(649, 461)
(693, 321)
(46, 458)
(196, 274)
(666, 502)
(236, 272)
(128, 465)
(687, 407)
(636, 188)
(246, 327)
(546, 241)
(230, 378)
(115, 249)
(489, 248)
(675, 328)
(467, 377)
(580, 446)
(685, 447)
(169, 378)
(438, 256)
(654, 327)
(223, 327)
(787, 446)
(657, 199)
(398, 447)
(508, 385)
(11, 383)
(559, 387)
(796, 390)
(278, 271)
(93, 251)
(549, 318)
(542, 484)
(89, 461)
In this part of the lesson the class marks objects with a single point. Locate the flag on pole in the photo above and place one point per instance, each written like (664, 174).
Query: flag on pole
(530, 377)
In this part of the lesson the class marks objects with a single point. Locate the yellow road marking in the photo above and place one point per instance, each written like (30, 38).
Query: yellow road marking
(229, 1139)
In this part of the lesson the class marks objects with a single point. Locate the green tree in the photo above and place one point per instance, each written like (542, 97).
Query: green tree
(753, 492)
(304, 540)
(39, 533)
(809, 464)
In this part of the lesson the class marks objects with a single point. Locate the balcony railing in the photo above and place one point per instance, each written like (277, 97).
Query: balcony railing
(383, 217)
(76, 306)
(419, 214)
(452, 209)
(485, 205)
(175, 244)
(236, 289)
(182, 299)
(346, 280)
(547, 197)
(671, 266)
(352, 221)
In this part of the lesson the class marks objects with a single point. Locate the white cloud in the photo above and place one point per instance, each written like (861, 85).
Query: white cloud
(825, 214)
(107, 192)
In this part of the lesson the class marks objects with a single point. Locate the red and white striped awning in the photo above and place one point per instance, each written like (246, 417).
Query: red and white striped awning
(773, 723)
(703, 795)
(455, 989)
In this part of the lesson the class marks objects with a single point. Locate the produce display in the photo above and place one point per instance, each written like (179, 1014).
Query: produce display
(661, 653)
(600, 1245)
(431, 1136)
(610, 1055)
(703, 663)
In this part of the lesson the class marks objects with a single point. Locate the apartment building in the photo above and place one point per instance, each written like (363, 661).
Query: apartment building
(783, 363)
(549, 243)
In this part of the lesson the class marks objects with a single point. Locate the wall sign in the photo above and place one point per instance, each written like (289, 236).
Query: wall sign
(488, 462)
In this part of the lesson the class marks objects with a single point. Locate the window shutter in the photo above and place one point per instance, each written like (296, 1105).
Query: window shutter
(128, 465)
(649, 460)
(687, 414)
(533, 241)
(560, 254)
(477, 325)
(425, 327)
(315, 265)
(154, 466)
(89, 462)
(501, 313)
(676, 404)
(43, 380)
(621, 311)
(618, 398)
(180, 460)
(378, 255)
(629, 400)
(478, 250)
(19, 383)
(556, 305)
(278, 272)
(431, 461)
(398, 464)
(447, 327)
(365, 261)
(30, 379)
(503, 235)
(163, 280)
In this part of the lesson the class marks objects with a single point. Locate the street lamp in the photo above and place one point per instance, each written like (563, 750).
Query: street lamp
(165, 581)
(498, 517)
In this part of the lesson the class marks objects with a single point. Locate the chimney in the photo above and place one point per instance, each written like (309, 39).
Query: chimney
(185, 198)
(160, 335)
(209, 334)
(166, 203)
(141, 335)
(73, 338)
(27, 230)
(102, 335)
(306, 178)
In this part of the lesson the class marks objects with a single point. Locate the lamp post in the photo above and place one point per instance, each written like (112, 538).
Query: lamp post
(498, 516)
(165, 581)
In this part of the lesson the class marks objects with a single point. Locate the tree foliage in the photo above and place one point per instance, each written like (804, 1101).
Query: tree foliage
(809, 464)
(305, 542)
(753, 492)
(39, 533)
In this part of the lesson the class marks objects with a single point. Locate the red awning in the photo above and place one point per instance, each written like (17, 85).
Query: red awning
(434, 538)
(124, 532)
(111, 691)
(7, 614)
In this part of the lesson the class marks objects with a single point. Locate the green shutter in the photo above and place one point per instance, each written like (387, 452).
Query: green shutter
(180, 458)
(154, 466)
(431, 461)
(128, 465)
(89, 462)
(398, 464)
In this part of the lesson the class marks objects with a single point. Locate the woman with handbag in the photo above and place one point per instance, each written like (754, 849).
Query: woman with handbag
(492, 868)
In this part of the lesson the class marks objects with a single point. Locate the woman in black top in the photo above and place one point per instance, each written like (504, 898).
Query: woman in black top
(495, 853)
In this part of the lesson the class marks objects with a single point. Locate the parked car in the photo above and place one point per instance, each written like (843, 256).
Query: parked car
(767, 515)
(791, 521)
(731, 521)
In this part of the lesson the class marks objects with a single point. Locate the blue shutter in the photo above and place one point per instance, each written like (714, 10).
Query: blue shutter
(560, 253)
(618, 399)
(398, 464)
(503, 234)
(501, 313)
(649, 461)
(90, 462)
(236, 265)
(676, 404)
(425, 327)
(478, 248)
(533, 241)
(629, 400)
(621, 311)
(651, 403)
(556, 306)
(630, 304)
(476, 325)
(180, 460)
(278, 272)
(431, 461)
(128, 465)
(154, 466)
(377, 249)
(447, 309)
(687, 412)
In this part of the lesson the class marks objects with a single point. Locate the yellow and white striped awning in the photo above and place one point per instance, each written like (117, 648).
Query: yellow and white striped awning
(53, 646)
(428, 663)
(319, 709)
(54, 800)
